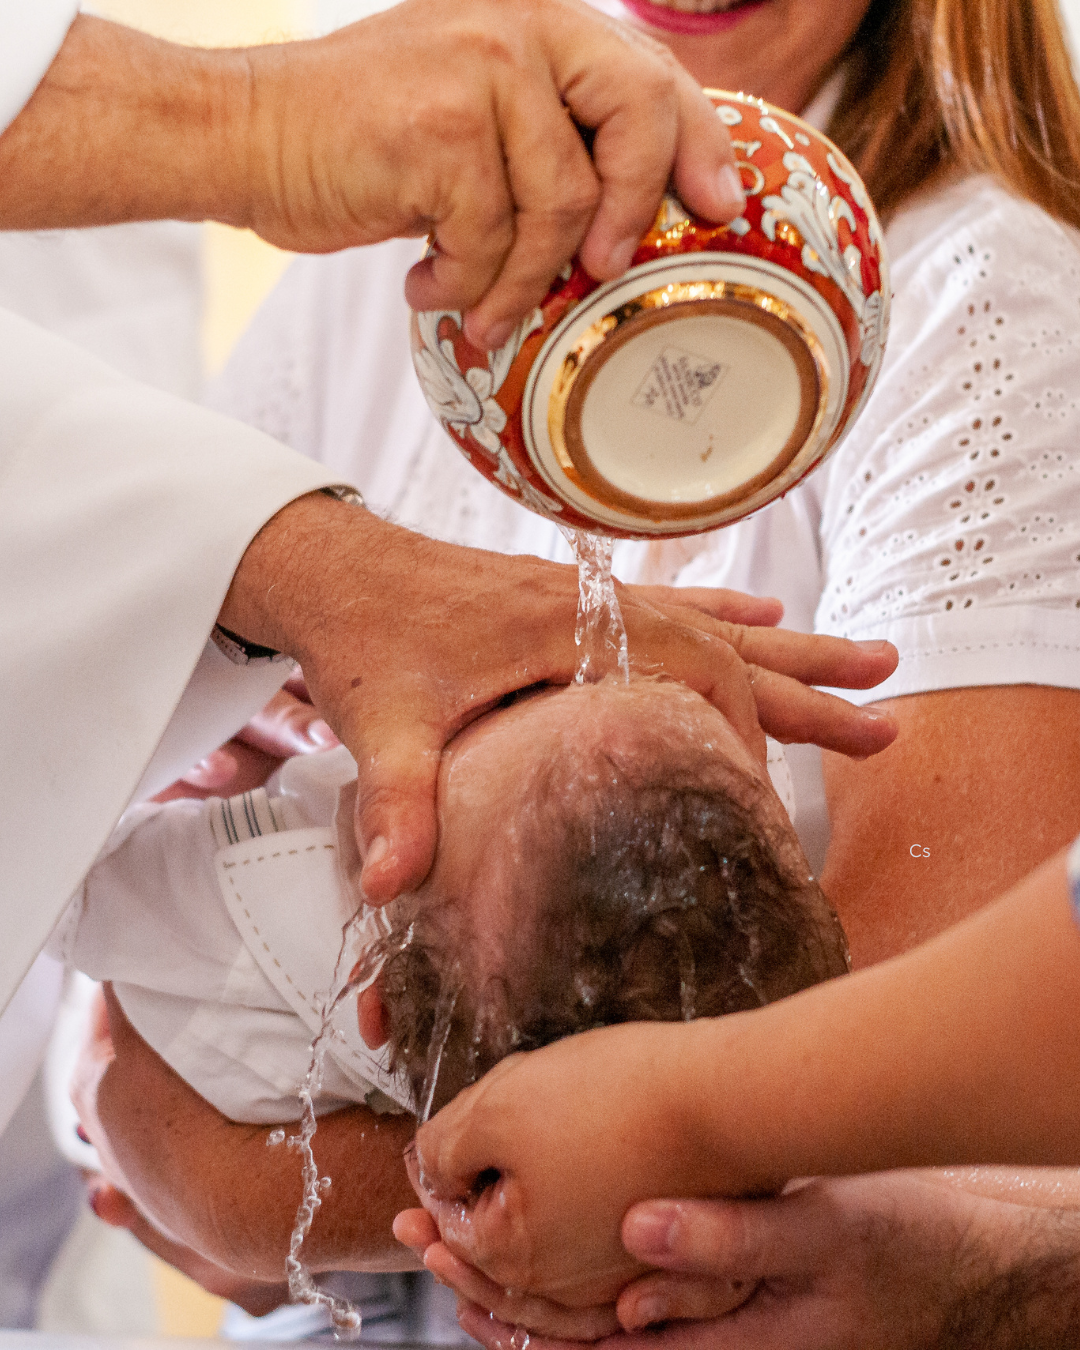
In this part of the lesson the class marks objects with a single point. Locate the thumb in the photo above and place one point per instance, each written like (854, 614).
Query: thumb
(741, 1240)
(396, 823)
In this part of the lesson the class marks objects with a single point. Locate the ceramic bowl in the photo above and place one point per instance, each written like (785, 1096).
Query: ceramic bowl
(709, 378)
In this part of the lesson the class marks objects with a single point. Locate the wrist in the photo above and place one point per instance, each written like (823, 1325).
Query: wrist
(712, 1083)
(741, 1123)
(289, 583)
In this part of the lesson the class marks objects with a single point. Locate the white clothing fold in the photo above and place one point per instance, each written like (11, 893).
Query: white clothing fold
(31, 33)
(123, 515)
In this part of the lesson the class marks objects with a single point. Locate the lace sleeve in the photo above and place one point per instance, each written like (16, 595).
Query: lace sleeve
(951, 516)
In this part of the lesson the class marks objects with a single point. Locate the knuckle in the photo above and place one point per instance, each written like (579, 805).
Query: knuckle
(659, 79)
(376, 801)
(734, 636)
(578, 195)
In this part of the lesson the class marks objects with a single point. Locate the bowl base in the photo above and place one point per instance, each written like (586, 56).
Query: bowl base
(686, 407)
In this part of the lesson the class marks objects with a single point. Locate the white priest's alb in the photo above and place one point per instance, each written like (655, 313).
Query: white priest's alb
(123, 515)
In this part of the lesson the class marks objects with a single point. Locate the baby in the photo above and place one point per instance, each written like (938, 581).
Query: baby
(607, 853)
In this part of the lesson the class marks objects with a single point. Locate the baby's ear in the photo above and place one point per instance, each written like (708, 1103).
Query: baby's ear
(371, 1016)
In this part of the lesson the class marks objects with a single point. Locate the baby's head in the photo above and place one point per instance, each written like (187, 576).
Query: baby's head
(607, 853)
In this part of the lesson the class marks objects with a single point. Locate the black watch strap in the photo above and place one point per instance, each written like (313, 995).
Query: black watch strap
(239, 650)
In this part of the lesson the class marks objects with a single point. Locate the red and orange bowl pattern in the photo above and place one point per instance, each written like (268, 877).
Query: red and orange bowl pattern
(708, 379)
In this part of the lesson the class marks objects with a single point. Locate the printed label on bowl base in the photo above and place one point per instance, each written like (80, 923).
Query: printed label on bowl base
(682, 407)
(679, 385)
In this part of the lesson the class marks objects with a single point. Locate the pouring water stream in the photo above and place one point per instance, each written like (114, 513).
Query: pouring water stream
(600, 639)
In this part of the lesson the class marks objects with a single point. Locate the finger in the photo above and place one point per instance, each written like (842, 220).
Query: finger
(518, 1309)
(747, 1240)
(453, 1148)
(814, 658)
(396, 825)
(482, 1326)
(494, 1334)
(415, 1229)
(110, 1204)
(288, 726)
(706, 176)
(662, 1298)
(555, 190)
(634, 185)
(482, 1225)
(296, 685)
(731, 1332)
(793, 713)
(729, 606)
(213, 772)
(473, 234)
(651, 120)
(707, 664)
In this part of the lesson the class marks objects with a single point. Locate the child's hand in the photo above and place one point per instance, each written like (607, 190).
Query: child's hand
(288, 725)
(528, 1174)
(500, 1310)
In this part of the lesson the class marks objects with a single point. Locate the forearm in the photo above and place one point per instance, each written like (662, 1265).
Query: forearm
(216, 1187)
(128, 127)
(919, 1061)
(1031, 1300)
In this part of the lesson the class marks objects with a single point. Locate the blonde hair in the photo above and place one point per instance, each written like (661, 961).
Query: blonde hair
(968, 86)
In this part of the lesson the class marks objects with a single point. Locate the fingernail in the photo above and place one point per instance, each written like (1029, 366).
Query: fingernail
(82, 1134)
(873, 646)
(647, 1311)
(319, 733)
(497, 334)
(732, 196)
(621, 256)
(649, 1232)
(376, 853)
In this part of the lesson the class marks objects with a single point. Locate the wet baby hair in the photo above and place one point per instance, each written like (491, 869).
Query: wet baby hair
(646, 900)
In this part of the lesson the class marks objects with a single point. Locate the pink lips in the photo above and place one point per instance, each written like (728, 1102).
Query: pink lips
(679, 21)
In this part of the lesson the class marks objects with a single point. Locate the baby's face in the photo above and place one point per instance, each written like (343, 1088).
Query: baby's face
(492, 778)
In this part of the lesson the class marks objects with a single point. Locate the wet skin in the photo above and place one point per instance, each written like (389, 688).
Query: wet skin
(488, 787)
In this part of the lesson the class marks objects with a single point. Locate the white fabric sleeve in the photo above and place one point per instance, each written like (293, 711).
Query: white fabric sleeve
(31, 33)
(123, 515)
(151, 918)
(951, 516)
